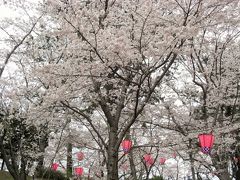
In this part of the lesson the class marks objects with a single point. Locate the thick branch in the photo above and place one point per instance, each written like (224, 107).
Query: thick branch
(9, 55)
(148, 96)
(89, 120)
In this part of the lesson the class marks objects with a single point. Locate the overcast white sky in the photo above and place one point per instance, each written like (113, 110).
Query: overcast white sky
(6, 12)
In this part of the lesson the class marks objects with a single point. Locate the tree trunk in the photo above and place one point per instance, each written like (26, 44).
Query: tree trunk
(220, 162)
(11, 167)
(224, 175)
(131, 160)
(43, 143)
(192, 166)
(69, 160)
(238, 174)
(222, 168)
(112, 163)
(147, 174)
(23, 174)
(191, 160)
(132, 166)
(177, 170)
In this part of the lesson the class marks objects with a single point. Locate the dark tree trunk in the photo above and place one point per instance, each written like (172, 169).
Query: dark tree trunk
(224, 175)
(147, 174)
(220, 162)
(221, 165)
(2, 165)
(43, 143)
(10, 165)
(112, 163)
(238, 174)
(192, 166)
(131, 159)
(132, 166)
(191, 160)
(23, 174)
(69, 160)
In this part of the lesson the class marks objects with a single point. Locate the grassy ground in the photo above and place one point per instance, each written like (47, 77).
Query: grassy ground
(5, 176)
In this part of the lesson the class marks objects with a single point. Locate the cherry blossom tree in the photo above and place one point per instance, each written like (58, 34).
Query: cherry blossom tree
(116, 54)
(20, 141)
(114, 66)
(210, 101)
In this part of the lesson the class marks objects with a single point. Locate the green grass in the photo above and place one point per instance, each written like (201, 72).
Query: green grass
(5, 175)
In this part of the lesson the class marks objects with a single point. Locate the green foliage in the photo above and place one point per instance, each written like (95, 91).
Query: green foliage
(157, 178)
(24, 136)
(48, 173)
(19, 141)
(5, 175)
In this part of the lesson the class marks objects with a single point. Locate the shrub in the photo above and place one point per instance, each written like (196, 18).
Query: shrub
(48, 173)
(157, 178)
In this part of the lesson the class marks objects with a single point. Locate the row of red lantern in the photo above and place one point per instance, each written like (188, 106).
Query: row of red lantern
(78, 170)
(80, 156)
(206, 142)
(149, 160)
(127, 145)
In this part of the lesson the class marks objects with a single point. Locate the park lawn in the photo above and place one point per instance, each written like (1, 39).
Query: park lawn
(4, 175)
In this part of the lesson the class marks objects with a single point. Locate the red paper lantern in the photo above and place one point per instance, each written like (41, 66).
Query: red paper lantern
(80, 156)
(126, 145)
(206, 142)
(162, 161)
(148, 159)
(78, 171)
(54, 166)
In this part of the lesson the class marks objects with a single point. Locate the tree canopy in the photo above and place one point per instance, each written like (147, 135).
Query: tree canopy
(90, 74)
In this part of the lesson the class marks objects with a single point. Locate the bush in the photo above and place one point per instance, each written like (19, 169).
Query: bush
(48, 173)
(157, 178)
